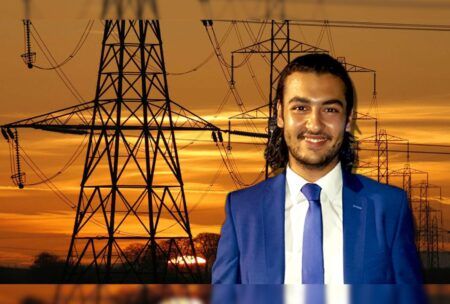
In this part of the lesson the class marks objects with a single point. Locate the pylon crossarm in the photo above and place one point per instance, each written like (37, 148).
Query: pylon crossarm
(409, 170)
(302, 47)
(349, 67)
(396, 138)
(191, 117)
(253, 113)
(253, 48)
(55, 118)
(247, 134)
(82, 129)
(71, 120)
(297, 48)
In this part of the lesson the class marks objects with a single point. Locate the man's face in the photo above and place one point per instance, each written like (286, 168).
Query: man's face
(313, 117)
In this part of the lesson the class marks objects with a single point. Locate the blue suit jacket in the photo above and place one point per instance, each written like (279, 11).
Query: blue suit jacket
(377, 224)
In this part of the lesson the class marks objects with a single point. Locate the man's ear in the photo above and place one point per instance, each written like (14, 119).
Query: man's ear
(280, 121)
(348, 126)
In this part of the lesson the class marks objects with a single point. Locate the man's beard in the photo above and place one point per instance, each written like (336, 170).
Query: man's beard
(321, 163)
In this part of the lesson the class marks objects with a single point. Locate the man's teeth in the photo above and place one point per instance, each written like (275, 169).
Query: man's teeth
(315, 140)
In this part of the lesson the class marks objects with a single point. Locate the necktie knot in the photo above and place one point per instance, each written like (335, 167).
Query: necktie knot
(311, 191)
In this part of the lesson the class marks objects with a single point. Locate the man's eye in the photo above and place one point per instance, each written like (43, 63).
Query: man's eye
(300, 108)
(331, 110)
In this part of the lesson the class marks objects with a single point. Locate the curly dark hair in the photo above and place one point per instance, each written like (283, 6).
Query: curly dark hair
(276, 153)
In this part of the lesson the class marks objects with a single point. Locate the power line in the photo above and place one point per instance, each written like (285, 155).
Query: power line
(46, 180)
(202, 196)
(227, 74)
(59, 71)
(365, 24)
(421, 144)
(248, 64)
(410, 151)
(69, 163)
(202, 63)
(76, 49)
(360, 25)
(390, 143)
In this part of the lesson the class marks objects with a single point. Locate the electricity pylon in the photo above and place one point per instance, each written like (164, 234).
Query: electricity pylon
(132, 188)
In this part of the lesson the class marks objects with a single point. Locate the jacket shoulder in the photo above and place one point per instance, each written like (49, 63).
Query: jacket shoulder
(374, 189)
(254, 194)
(369, 183)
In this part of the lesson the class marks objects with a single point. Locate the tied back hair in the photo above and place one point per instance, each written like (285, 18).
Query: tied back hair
(276, 152)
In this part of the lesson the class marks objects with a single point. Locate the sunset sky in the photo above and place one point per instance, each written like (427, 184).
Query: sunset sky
(413, 77)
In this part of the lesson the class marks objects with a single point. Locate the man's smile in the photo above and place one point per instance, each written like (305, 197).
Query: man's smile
(314, 141)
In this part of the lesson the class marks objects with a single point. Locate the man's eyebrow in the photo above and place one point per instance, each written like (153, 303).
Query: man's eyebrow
(333, 101)
(299, 99)
(308, 101)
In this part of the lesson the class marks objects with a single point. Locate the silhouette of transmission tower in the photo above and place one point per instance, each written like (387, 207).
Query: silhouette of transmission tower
(131, 188)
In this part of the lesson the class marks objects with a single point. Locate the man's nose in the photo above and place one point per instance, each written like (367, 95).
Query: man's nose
(314, 123)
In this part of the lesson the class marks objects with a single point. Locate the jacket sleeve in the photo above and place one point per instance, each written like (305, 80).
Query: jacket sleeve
(226, 267)
(405, 258)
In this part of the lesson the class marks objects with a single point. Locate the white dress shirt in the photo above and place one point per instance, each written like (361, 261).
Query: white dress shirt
(296, 206)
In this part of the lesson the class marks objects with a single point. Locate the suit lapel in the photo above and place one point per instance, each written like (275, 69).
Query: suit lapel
(273, 219)
(354, 221)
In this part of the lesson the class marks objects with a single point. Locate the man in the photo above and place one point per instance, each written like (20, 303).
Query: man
(316, 222)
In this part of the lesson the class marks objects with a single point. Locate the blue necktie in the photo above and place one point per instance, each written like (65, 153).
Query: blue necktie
(312, 259)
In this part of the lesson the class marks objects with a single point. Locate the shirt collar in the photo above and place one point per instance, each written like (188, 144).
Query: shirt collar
(331, 183)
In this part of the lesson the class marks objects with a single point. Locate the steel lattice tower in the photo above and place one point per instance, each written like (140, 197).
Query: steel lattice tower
(132, 177)
(383, 156)
(131, 214)
(131, 222)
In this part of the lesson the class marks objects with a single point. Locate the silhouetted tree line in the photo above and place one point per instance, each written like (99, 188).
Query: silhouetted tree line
(205, 245)
(48, 267)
